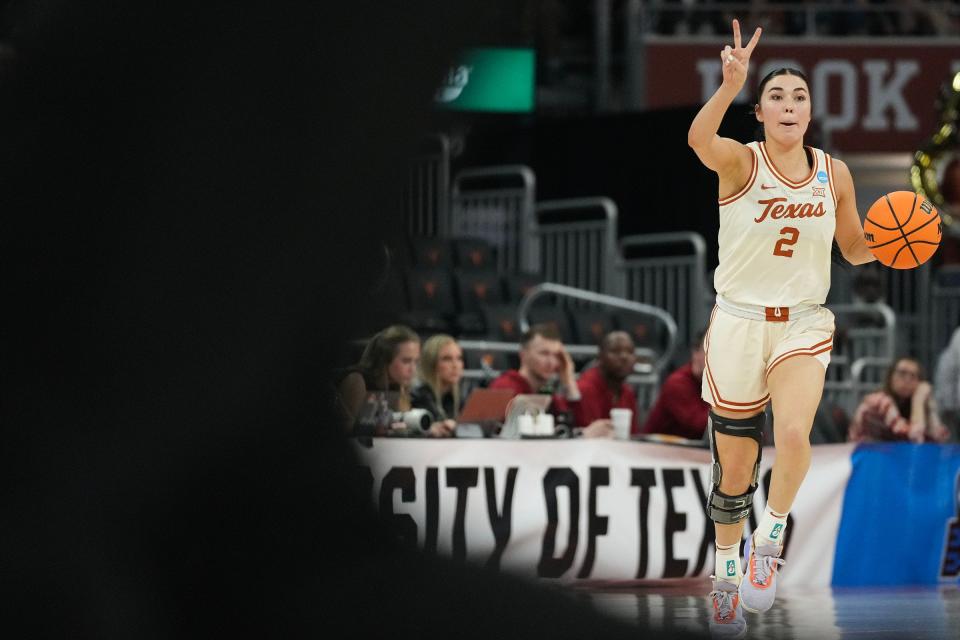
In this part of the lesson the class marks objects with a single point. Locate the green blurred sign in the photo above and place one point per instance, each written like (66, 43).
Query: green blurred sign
(490, 79)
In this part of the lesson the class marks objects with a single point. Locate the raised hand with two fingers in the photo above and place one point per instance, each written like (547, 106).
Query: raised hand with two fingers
(735, 61)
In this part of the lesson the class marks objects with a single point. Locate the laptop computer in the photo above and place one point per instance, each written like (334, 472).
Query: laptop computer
(486, 404)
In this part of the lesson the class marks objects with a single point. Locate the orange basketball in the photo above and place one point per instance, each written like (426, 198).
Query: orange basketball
(902, 229)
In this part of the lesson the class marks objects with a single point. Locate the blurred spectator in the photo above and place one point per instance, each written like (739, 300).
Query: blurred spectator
(603, 387)
(545, 367)
(844, 22)
(441, 372)
(943, 22)
(946, 381)
(867, 288)
(903, 410)
(789, 20)
(388, 363)
(879, 22)
(790, 17)
(679, 410)
(918, 22)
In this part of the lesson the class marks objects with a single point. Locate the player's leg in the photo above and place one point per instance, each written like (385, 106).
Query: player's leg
(736, 459)
(796, 385)
(734, 385)
(735, 445)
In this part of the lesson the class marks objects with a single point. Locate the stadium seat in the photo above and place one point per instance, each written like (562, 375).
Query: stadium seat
(501, 322)
(431, 253)
(474, 290)
(430, 290)
(478, 288)
(590, 325)
(471, 324)
(496, 360)
(425, 322)
(386, 304)
(473, 253)
(553, 316)
(518, 283)
(646, 331)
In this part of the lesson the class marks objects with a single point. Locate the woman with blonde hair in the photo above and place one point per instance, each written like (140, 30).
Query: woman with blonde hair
(441, 371)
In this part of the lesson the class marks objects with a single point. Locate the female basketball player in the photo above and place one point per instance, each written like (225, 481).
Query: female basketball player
(781, 205)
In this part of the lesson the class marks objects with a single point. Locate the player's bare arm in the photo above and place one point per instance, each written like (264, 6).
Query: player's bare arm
(849, 232)
(730, 159)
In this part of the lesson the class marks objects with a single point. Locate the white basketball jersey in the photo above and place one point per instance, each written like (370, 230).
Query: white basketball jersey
(776, 234)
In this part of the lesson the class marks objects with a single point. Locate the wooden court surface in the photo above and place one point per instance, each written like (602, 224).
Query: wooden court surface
(824, 613)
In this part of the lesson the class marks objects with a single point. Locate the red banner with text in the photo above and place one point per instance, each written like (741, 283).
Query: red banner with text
(867, 97)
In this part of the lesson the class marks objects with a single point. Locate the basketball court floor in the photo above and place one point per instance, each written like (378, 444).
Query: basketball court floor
(922, 613)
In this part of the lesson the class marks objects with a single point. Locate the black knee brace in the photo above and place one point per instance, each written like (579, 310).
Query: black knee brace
(722, 508)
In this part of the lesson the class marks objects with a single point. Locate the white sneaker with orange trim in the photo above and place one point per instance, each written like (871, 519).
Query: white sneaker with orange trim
(726, 617)
(758, 589)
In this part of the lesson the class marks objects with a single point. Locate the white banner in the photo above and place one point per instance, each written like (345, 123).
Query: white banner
(587, 509)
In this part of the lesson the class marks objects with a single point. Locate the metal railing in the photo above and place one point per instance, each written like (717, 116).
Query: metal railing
(909, 295)
(675, 283)
(548, 288)
(870, 331)
(866, 376)
(581, 252)
(862, 351)
(944, 319)
(427, 197)
(497, 205)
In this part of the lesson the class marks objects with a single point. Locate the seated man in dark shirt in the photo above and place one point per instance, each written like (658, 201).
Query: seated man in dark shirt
(679, 410)
(604, 387)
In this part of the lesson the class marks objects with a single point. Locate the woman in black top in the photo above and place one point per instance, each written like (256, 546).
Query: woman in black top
(441, 371)
(388, 364)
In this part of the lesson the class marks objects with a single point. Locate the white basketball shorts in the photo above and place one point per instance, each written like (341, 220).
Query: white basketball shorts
(741, 353)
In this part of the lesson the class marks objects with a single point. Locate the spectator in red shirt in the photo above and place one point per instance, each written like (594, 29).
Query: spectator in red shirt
(545, 367)
(604, 387)
(679, 410)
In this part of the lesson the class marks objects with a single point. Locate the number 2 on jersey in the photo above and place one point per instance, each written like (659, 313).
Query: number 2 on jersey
(790, 235)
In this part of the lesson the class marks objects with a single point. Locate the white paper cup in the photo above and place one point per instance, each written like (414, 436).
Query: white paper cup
(622, 419)
(525, 424)
(544, 424)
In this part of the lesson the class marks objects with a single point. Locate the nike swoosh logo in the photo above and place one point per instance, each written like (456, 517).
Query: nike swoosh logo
(763, 186)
